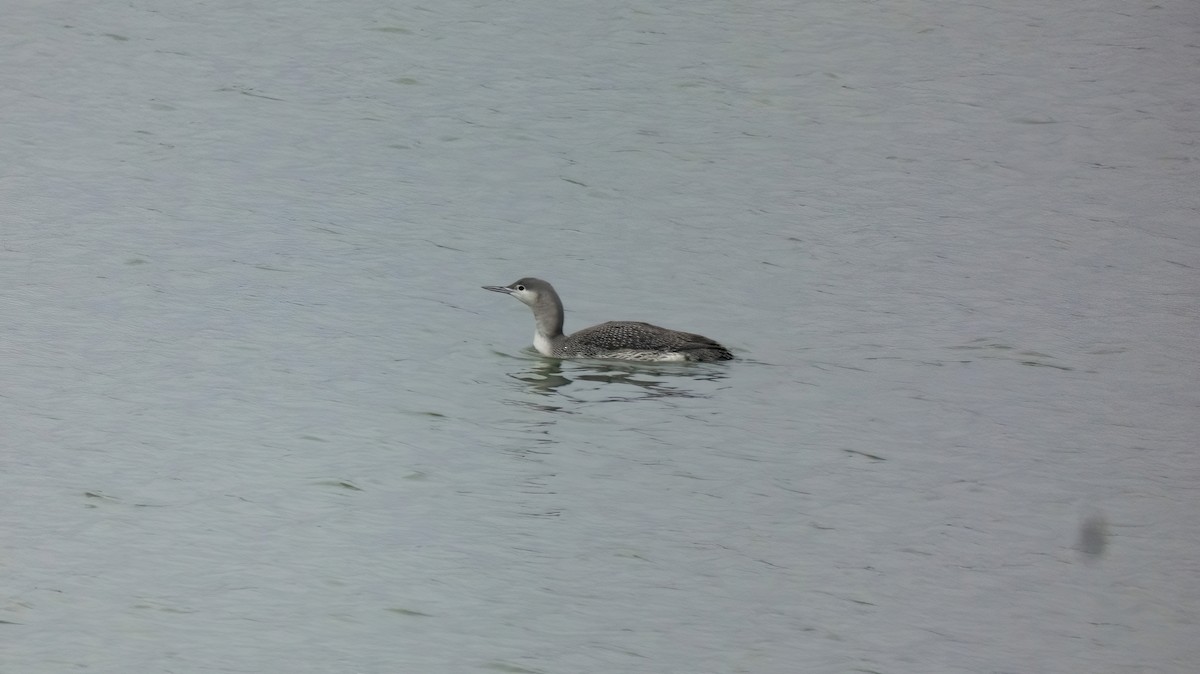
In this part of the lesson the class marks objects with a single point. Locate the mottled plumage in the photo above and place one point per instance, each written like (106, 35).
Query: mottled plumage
(621, 340)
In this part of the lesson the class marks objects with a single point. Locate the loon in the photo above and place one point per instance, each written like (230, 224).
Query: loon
(619, 340)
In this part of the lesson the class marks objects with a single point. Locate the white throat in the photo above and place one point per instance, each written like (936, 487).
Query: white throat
(542, 344)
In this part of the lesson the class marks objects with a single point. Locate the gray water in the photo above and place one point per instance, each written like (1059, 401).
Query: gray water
(256, 414)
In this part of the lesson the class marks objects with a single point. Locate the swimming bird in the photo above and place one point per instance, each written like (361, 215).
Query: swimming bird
(620, 340)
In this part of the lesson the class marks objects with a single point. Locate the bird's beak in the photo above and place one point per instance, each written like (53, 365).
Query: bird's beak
(499, 289)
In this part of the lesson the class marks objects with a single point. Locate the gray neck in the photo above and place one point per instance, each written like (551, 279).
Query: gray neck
(548, 314)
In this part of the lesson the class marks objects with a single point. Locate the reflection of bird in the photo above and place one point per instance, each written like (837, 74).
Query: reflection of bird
(621, 340)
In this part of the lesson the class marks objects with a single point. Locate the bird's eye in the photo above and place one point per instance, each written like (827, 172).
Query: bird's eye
(520, 287)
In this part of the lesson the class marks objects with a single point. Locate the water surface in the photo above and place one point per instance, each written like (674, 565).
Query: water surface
(258, 415)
